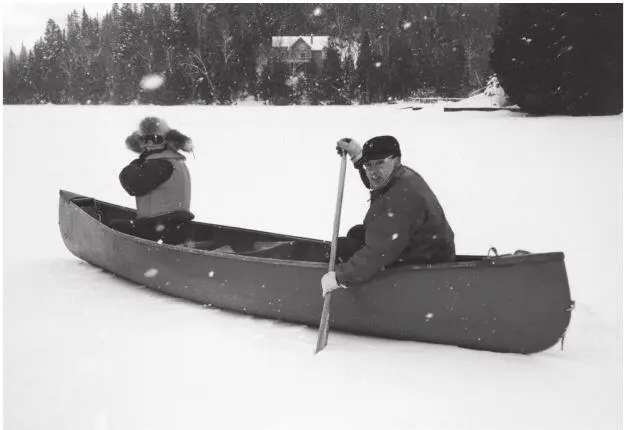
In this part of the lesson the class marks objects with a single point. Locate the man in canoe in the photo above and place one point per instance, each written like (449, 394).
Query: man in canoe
(160, 181)
(405, 223)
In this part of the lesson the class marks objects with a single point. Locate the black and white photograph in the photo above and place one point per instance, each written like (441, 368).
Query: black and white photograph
(315, 216)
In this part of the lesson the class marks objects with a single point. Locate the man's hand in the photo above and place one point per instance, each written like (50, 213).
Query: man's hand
(329, 283)
(351, 147)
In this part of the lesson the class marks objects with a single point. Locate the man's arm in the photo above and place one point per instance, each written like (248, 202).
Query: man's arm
(386, 238)
(142, 177)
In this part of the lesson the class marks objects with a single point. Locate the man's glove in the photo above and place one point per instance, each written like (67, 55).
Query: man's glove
(329, 283)
(351, 147)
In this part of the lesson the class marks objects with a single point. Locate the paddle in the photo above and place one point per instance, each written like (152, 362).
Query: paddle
(321, 342)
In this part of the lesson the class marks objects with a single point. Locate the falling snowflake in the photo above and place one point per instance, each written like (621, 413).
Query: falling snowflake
(390, 214)
(406, 25)
(151, 273)
(152, 82)
(159, 241)
(429, 316)
(317, 12)
(211, 274)
(159, 227)
(378, 64)
(395, 236)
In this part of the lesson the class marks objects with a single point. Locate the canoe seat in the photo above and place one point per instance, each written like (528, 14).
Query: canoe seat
(276, 249)
(282, 250)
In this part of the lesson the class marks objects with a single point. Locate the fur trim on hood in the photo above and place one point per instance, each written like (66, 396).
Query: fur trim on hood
(152, 125)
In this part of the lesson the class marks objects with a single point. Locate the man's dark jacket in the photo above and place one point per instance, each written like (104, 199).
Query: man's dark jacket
(405, 224)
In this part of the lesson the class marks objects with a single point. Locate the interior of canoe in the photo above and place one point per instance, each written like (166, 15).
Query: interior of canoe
(228, 239)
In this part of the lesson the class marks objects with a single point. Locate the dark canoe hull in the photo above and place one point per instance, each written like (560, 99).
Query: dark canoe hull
(518, 304)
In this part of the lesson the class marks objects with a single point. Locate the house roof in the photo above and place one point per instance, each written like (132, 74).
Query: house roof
(316, 43)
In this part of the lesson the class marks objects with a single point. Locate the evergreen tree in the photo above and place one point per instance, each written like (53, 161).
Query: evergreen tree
(332, 81)
(24, 85)
(454, 81)
(348, 78)
(548, 64)
(449, 58)
(247, 63)
(36, 67)
(127, 52)
(94, 83)
(9, 81)
(313, 88)
(75, 60)
(164, 58)
(188, 70)
(273, 87)
(52, 69)
(378, 80)
(364, 70)
(264, 84)
(401, 69)
(227, 58)
(109, 33)
(478, 23)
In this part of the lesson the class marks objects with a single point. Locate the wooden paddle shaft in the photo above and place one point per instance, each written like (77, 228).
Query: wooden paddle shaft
(324, 324)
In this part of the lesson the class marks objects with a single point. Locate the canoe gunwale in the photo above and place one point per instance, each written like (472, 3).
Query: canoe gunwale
(503, 260)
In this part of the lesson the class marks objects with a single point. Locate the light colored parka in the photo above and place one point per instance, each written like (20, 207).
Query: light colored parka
(172, 195)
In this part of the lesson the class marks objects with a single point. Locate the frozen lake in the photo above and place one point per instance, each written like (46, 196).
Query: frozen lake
(83, 349)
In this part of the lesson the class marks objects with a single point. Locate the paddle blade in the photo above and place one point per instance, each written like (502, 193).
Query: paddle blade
(323, 333)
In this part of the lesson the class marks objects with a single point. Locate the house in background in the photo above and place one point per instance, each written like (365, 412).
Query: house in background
(297, 51)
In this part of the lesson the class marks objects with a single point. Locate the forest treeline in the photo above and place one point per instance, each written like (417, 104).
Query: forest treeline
(221, 53)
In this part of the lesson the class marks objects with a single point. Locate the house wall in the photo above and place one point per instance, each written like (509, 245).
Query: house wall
(300, 53)
(280, 54)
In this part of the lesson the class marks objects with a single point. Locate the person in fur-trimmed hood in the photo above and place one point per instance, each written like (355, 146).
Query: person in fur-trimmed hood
(159, 177)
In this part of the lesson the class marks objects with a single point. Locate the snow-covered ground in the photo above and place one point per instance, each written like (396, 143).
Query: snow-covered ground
(86, 350)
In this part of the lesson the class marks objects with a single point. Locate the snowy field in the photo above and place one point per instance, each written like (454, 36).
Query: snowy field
(86, 350)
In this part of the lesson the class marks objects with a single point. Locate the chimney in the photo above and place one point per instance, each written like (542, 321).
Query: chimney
(311, 38)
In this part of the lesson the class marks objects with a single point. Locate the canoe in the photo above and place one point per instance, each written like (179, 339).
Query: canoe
(510, 303)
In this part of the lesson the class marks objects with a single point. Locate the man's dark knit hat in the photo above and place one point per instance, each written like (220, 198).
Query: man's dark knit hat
(380, 147)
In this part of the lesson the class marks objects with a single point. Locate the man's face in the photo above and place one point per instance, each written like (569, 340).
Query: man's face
(380, 171)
